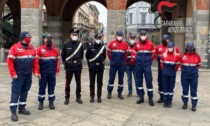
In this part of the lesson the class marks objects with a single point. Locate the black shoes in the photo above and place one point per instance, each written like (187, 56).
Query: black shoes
(109, 96)
(193, 109)
(66, 102)
(51, 105)
(99, 100)
(14, 117)
(160, 100)
(184, 106)
(91, 100)
(165, 105)
(120, 96)
(40, 107)
(141, 100)
(129, 95)
(151, 103)
(24, 112)
(169, 105)
(78, 100)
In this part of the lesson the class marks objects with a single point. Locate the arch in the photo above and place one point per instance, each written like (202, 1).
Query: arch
(130, 2)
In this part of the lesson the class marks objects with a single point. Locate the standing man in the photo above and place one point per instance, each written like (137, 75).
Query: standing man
(145, 54)
(72, 54)
(49, 66)
(21, 62)
(96, 55)
(159, 50)
(131, 63)
(116, 53)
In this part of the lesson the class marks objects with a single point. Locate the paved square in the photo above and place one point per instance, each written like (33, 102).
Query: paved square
(114, 112)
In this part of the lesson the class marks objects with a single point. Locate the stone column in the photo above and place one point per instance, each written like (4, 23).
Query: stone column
(31, 21)
(201, 34)
(54, 27)
(116, 22)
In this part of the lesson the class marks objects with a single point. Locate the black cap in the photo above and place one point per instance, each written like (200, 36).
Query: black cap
(74, 30)
(143, 32)
(119, 33)
(98, 36)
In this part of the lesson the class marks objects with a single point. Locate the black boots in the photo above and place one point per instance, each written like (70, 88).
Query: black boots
(160, 100)
(91, 99)
(184, 106)
(24, 112)
(40, 107)
(151, 103)
(78, 100)
(51, 105)
(167, 105)
(14, 117)
(120, 96)
(99, 100)
(66, 102)
(129, 95)
(109, 96)
(141, 100)
(193, 109)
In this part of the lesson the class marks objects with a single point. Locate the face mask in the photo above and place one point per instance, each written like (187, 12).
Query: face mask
(132, 42)
(27, 40)
(143, 38)
(119, 38)
(74, 38)
(189, 50)
(98, 41)
(164, 42)
(49, 43)
(170, 49)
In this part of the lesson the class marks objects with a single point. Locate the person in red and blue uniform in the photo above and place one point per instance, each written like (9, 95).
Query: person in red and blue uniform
(169, 64)
(131, 63)
(21, 62)
(145, 55)
(116, 53)
(159, 50)
(190, 63)
(49, 66)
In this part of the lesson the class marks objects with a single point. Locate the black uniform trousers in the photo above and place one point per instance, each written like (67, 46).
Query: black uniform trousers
(69, 75)
(92, 74)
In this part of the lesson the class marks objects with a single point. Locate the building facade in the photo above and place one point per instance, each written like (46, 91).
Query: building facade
(138, 18)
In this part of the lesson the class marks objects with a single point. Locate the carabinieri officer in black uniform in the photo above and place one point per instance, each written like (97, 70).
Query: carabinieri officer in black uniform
(96, 55)
(72, 54)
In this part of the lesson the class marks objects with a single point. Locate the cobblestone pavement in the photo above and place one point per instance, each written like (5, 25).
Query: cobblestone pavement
(112, 112)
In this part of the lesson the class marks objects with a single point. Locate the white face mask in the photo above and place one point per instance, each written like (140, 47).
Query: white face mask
(143, 38)
(170, 49)
(132, 42)
(119, 38)
(74, 38)
(98, 41)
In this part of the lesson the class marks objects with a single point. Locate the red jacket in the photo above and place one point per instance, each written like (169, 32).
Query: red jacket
(145, 52)
(131, 55)
(116, 52)
(160, 49)
(49, 59)
(22, 60)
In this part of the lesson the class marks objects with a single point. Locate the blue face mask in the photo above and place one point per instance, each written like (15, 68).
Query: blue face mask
(189, 49)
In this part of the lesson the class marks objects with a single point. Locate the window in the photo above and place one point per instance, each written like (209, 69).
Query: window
(131, 18)
(143, 19)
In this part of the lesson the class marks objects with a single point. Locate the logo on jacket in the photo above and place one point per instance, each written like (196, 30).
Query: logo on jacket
(138, 46)
(160, 49)
(114, 45)
(43, 50)
(184, 58)
(20, 49)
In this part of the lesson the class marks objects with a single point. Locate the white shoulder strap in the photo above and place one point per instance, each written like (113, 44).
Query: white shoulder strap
(75, 52)
(101, 50)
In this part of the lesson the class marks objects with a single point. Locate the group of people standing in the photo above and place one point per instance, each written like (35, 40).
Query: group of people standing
(135, 57)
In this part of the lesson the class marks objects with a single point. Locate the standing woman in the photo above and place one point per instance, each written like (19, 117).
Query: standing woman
(190, 63)
(169, 64)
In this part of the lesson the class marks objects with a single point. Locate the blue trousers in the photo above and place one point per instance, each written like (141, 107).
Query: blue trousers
(147, 72)
(130, 69)
(20, 88)
(112, 73)
(50, 80)
(168, 84)
(193, 84)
